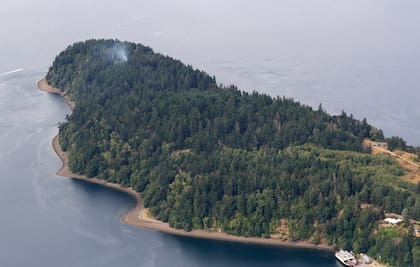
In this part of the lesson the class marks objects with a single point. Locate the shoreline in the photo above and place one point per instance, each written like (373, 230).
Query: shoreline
(44, 86)
(139, 216)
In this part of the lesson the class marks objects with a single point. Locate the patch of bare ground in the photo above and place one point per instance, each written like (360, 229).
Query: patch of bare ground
(177, 153)
(405, 159)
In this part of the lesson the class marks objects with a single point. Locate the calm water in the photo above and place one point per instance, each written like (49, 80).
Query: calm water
(360, 56)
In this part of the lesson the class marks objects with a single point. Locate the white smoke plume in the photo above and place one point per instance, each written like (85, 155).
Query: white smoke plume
(118, 53)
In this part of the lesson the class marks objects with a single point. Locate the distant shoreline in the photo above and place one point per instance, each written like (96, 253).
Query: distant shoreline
(140, 217)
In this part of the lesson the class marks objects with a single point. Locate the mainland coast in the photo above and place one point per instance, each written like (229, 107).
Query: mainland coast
(141, 217)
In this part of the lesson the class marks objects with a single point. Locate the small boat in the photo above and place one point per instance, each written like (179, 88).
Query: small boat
(346, 258)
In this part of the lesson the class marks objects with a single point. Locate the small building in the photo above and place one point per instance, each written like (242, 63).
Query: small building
(393, 221)
(417, 231)
(380, 144)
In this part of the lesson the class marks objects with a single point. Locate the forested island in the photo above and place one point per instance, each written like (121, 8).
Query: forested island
(209, 156)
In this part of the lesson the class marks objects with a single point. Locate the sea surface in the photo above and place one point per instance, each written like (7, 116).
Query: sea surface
(361, 56)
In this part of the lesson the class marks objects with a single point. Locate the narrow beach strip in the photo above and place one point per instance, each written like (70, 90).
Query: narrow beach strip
(140, 217)
(44, 86)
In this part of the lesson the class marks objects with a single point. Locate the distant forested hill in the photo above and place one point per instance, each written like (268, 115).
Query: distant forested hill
(209, 156)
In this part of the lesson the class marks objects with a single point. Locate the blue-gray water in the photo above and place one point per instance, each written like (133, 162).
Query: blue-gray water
(360, 56)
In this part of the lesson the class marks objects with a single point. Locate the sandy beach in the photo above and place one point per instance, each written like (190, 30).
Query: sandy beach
(44, 86)
(141, 217)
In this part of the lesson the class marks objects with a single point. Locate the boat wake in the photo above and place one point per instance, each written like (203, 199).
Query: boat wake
(10, 72)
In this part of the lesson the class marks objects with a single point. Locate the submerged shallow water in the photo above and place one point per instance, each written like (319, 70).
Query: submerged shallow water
(360, 56)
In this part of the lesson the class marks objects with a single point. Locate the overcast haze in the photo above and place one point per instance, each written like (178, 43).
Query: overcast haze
(360, 56)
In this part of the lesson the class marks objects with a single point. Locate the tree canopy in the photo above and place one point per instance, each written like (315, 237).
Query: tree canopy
(207, 156)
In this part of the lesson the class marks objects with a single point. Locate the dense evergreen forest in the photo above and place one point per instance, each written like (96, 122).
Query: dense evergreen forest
(210, 156)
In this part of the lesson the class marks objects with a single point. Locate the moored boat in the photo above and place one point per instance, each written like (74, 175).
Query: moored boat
(346, 258)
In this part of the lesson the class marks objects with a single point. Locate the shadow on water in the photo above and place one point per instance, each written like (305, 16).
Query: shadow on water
(200, 252)
(102, 198)
(253, 255)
